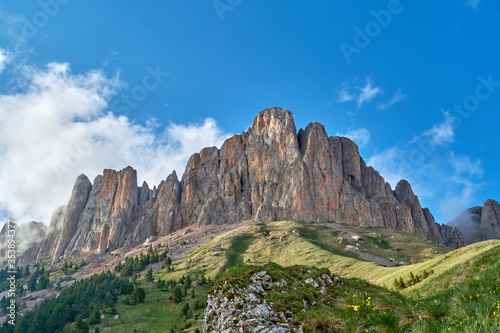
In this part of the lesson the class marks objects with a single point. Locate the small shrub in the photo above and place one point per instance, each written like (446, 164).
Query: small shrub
(434, 310)
(323, 323)
(387, 322)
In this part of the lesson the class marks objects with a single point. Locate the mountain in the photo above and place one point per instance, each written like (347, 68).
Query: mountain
(32, 232)
(271, 172)
(479, 223)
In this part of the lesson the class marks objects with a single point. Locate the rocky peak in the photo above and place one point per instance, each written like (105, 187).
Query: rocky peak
(491, 217)
(274, 120)
(76, 204)
(268, 173)
(469, 223)
(424, 224)
(274, 128)
(314, 136)
(351, 163)
(120, 188)
(107, 206)
(28, 234)
(479, 223)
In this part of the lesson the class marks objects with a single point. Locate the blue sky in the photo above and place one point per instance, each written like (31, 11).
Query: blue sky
(88, 85)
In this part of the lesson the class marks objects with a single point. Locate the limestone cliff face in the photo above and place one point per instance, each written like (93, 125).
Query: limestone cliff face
(479, 223)
(75, 208)
(490, 220)
(105, 207)
(268, 173)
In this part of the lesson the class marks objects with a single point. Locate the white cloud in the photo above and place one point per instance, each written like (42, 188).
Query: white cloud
(59, 127)
(368, 92)
(4, 59)
(448, 181)
(360, 136)
(345, 96)
(360, 94)
(465, 176)
(443, 132)
(451, 207)
(464, 166)
(473, 3)
(387, 163)
(436, 173)
(398, 97)
(13, 32)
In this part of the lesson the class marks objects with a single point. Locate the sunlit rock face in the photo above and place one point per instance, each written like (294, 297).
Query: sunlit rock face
(269, 173)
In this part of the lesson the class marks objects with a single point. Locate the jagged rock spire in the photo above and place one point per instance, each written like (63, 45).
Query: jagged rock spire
(268, 173)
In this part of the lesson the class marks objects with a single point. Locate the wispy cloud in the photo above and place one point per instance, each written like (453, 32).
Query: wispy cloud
(463, 165)
(398, 97)
(431, 166)
(59, 126)
(361, 94)
(388, 164)
(11, 28)
(448, 180)
(4, 59)
(360, 136)
(465, 175)
(345, 96)
(442, 132)
(473, 3)
(368, 92)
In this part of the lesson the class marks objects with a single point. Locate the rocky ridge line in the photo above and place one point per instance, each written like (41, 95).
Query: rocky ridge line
(269, 173)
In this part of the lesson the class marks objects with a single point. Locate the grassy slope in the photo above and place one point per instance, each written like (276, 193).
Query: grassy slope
(450, 269)
(320, 245)
(157, 314)
(462, 296)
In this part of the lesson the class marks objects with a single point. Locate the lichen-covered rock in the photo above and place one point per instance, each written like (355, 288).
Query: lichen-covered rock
(351, 249)
(237, 308)
(245, 309)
